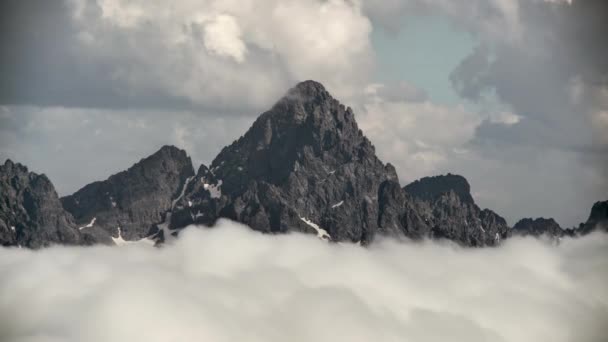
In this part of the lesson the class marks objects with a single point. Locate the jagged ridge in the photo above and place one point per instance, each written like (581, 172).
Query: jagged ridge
(304, 165)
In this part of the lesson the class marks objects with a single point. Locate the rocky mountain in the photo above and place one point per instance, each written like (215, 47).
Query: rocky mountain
(440, 207)
(304, 166)
(598, 219)
(131, 204)
(31, 214)
(541, 227)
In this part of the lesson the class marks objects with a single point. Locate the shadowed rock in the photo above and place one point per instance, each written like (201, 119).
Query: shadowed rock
(136, 200)
(31, 214)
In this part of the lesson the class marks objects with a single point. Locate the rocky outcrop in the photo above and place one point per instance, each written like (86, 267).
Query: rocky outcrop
(133, 202)
(440, 207)
(598, 219)
(431, 188)
(541, 227)
(31, 214)
(304, 165)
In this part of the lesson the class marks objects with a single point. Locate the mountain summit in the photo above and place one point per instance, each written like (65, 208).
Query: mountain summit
(304, 165)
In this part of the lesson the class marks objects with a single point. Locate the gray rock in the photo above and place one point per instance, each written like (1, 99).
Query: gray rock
(136, 200)
(597, 221)
(31, 214)
(448, 211)
(303, 164)
(541, 227)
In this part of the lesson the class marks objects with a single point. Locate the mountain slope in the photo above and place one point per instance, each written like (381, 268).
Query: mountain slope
(304, 165)
(598, 219)
(135, 200)
(441, 207)
(31, 214)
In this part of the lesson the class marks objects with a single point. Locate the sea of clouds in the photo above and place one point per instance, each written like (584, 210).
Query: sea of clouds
(234, 284)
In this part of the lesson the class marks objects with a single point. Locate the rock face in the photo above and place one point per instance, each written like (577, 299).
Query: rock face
(430, 188)
(440, 207)
(541, 227)
(598, 219)
(135, 200)
(304, 165)
(31, 214)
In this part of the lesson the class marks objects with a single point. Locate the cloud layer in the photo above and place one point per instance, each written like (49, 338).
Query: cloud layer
(233, 284)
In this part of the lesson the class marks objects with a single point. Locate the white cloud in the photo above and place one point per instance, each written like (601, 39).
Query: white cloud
(223, 37)
(188, 50)
(418, 137)
(298, 288)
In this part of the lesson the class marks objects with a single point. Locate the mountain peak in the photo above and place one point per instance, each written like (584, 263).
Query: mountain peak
(538, 227)
(431, 188)
(10, 165)
(309, 88)
(135, 200)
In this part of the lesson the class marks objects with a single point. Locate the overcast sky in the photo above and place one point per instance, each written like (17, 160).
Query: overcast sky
(512, 94)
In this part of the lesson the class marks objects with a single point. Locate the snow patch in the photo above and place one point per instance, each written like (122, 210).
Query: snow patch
(119, 241)
(214, 190)
(189, 203)
(89, 225)
(181, 194)
(13, 228)
(321, 233)
(339, 204)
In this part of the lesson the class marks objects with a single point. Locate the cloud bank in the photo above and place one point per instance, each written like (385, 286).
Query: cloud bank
(233, 284)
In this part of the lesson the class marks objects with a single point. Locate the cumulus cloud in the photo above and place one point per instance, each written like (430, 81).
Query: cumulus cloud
(231, 284)
(413, 133)
(232, 55)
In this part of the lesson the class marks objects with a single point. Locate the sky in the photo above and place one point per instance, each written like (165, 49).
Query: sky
(512, 94)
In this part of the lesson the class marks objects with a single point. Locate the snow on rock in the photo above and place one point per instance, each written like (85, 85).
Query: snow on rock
(119, 241)
(164, 227)
(339, 204)
(13, 228)
(213, 189)
(89, 225)
(181, 194)
(321, 233)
